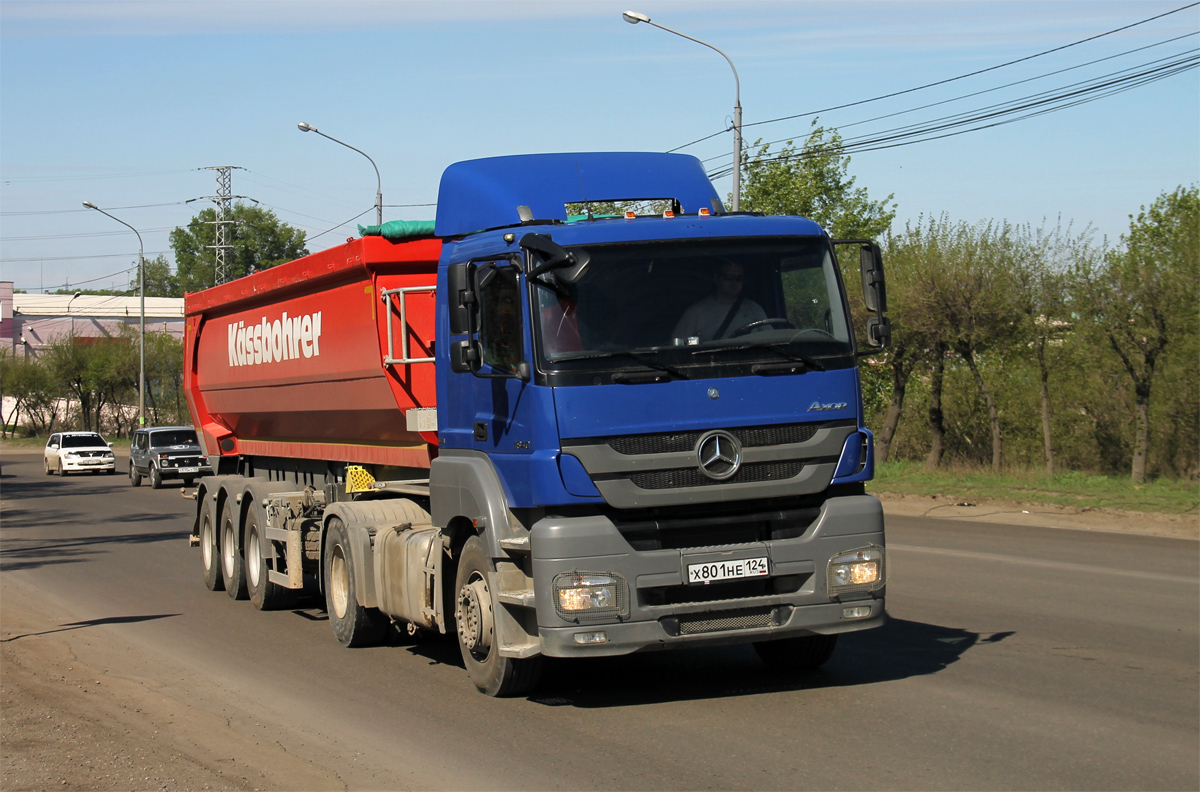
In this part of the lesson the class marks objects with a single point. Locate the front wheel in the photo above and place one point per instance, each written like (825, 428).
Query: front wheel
(156, 479)
(135, 478)
(492, 674)
(353, 625)
(802, 654)
(46, 465)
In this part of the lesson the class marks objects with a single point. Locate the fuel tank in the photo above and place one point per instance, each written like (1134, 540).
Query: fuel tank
(319, 358)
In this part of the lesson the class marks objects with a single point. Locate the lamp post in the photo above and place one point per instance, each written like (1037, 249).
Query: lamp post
(306, 127)
(633, 17)
(74, 297)
(141, 314)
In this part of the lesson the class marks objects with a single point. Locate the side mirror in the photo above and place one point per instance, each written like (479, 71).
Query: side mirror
(464, 357)
(569, 266)
(879, 331)
(874, 289)
(462, 298)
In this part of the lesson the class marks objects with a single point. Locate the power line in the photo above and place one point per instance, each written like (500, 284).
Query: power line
(954, 79)
(1027, 107)
(77, 258)
(74, 211)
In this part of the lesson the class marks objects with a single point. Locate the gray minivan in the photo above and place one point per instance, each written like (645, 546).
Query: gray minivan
(163, 452)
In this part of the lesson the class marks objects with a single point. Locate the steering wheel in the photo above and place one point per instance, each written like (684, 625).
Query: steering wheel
(746, 328)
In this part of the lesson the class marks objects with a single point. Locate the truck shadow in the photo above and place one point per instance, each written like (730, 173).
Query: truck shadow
(92, 623)
(898, 650)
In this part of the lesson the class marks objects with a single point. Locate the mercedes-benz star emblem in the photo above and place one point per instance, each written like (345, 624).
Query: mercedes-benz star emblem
(720, 455)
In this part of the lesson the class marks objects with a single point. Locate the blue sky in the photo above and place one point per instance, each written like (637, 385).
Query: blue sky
(125, 103)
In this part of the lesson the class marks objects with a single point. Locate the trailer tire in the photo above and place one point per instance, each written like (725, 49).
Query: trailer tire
(264, 594)
(155, 477)
(210, 551)
(353, 625)
(802, 654)
(233, 566)
(491, 673)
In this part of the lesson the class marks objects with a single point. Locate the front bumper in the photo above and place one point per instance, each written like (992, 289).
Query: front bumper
(593, 544)
(92, 463)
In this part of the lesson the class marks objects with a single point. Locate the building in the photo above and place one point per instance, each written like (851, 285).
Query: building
(29, 323)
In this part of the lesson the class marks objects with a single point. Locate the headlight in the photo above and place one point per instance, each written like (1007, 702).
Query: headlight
(858, 571)
(70, 455)
(591, 596)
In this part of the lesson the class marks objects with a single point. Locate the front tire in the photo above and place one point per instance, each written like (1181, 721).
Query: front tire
(803, 654)
(135, 478)
(155, 478)
(233, 566)
(264, 594)
(353, 625)
(210, 552)
(492, 674)
(46, 465)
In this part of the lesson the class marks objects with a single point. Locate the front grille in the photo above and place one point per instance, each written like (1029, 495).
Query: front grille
(748, 436)
(714, 527)
(91, 454)
(722, 621)
(692, 477)
(177, 462)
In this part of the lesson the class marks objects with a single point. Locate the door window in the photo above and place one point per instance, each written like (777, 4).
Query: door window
(500, 331)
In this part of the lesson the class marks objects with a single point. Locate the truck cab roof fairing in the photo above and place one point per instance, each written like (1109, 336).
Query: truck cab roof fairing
(477, 195)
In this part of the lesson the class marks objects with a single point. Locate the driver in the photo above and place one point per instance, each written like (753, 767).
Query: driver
(721, 313)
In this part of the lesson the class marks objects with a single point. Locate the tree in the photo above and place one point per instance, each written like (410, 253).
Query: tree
(160, 281)
(32, 390)
(259, 239)
(1144, 297)
(814, 182)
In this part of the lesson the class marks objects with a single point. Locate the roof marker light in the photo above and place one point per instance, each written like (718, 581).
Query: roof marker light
(704, 212)
(668, 214)
(630, 214)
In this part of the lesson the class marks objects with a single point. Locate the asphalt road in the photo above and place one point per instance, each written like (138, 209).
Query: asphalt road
(1015, 657)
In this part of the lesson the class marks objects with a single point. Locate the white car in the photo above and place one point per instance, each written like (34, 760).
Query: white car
(71, 452)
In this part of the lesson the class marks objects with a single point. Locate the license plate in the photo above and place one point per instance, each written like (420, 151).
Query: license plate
(189, 470)
(727, 570)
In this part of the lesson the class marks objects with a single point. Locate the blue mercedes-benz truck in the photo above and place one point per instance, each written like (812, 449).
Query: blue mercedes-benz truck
(647, 433)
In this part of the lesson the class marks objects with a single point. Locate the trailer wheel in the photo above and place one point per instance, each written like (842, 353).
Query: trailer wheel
(155, 477)
(135, 478)
(233, 566)
(210, 551)
(492, 674)
(802, 654)
(353, 625)
(263, 593)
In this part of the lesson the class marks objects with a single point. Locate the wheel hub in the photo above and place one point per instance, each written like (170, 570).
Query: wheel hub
(475, 617)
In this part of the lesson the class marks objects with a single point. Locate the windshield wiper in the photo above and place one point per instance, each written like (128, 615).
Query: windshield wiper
(772, 346)
(628, 376)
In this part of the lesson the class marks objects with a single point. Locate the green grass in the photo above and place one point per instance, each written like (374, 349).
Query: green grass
(1066, 489)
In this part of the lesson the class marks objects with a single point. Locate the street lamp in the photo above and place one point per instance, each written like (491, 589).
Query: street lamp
(306, 127)
(141, 314)
(74, 297)
(633, 17)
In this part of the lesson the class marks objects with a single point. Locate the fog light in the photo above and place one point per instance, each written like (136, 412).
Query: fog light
(860, 612)
(590, 596)
(591, 637)
(856, 571)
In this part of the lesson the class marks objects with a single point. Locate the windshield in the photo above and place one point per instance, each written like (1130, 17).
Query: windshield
(173, 438)
(83, 441)
(696, 308)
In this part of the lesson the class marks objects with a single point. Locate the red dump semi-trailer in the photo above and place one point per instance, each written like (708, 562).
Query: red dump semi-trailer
(505, 427)
(292, 363)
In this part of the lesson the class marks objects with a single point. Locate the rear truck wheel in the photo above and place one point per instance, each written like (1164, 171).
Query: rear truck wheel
(135, 478)
(353, 625)
(233, 566)
(492, 674)
(802, 654)
(264, 594)
(210, 551)
(155, 478)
